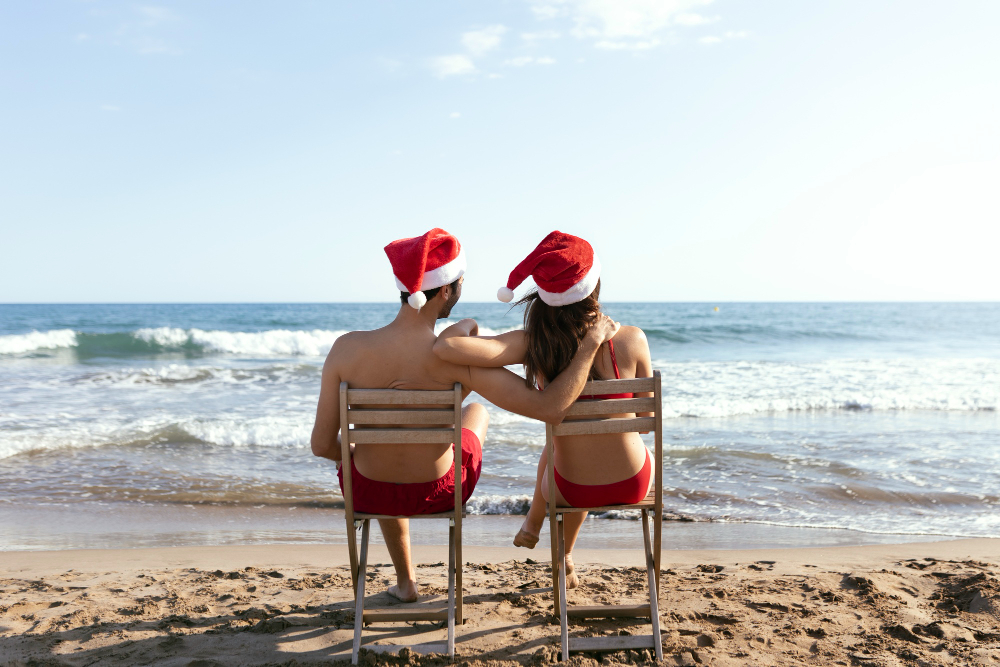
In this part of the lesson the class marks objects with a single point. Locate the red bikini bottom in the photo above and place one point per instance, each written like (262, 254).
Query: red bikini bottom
(626, 492)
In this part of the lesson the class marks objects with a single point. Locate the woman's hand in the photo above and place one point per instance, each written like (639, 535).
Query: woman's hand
(602, 330)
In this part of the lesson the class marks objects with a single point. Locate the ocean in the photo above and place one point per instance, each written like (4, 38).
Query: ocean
(790, 423)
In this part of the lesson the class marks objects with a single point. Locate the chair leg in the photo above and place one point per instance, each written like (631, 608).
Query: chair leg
(451, 589)
(359, 606)
(556, 562)
(657, 543)
(654, 608)
(563, 619)
(459, 618)
(352, 552)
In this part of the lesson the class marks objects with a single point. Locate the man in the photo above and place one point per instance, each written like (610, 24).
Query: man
(418, 479)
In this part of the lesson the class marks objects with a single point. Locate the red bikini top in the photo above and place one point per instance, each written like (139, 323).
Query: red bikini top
(600, 397)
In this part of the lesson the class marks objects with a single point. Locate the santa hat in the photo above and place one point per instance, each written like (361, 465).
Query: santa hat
(425, 262)
(565, 268)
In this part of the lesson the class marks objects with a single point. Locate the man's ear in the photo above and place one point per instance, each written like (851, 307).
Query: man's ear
(445, 293)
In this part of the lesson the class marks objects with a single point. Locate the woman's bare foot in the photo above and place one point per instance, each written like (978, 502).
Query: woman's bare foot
(572, 581)
(404, 592)
(525, 538)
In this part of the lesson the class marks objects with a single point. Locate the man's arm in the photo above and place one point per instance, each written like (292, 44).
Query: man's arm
(509, 391)
(326, 431)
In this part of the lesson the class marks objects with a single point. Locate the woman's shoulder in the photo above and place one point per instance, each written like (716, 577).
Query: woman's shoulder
(629, 335)
(630, 345)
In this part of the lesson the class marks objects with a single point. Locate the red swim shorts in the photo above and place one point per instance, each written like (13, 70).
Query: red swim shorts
(374, 497)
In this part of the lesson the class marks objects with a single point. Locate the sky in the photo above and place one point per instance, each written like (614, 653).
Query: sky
(244, 151)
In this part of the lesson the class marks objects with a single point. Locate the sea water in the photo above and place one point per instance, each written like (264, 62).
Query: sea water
(132, 425)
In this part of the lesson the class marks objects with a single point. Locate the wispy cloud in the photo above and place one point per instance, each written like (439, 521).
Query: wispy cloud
(694, 19)
(110, 107)
(148, 45)
(521, 61)
(729, 34)
(542, 34)
(479, 42)
(454, 114)
(155, 15)
(633, 25)
(453, 65)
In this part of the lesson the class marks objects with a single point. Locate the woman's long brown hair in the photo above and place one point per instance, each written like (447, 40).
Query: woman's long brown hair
(554, 333)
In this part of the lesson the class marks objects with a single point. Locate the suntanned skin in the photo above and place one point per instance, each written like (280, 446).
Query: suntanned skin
(400, 356)
(590, 459)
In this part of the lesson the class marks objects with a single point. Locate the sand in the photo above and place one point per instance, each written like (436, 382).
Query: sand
(911, 604)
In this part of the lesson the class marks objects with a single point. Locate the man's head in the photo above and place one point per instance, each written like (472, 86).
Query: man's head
(428, 267)
(442, 299)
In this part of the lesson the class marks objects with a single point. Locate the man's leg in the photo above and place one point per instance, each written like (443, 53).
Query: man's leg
(397, 540)
(397, 531)
(476, 419)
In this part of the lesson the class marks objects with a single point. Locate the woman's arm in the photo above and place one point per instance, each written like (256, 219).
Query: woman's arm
(482, 351)
(508, 391)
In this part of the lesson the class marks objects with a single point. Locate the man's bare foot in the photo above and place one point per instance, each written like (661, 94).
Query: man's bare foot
(406, 593)
(525, 538)
(572, 581)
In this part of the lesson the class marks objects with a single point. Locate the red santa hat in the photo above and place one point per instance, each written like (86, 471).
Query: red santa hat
(565, 268)
(425, 262)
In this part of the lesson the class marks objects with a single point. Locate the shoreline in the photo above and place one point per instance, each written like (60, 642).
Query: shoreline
(54, 528)
(335, 555)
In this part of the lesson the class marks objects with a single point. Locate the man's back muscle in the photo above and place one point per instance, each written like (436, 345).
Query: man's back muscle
(396, 357)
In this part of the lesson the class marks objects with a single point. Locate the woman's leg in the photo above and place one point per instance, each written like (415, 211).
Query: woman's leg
(572, 523)
(532, 526)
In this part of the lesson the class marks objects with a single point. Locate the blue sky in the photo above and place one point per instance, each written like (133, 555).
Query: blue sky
(726, 150)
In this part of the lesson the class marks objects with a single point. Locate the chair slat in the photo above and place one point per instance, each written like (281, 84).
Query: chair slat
(612, 406)
(360, 516)
(401, 417)
(609, 611)
(399, 397)
(610, 643)
(602, 426)
(599, 387)
(400, 436)
(418, 612)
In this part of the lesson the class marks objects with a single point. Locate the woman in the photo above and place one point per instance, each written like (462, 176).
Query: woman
(590, 470)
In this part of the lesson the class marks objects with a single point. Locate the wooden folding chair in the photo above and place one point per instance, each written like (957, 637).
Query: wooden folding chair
(596, 421)
(393, 416)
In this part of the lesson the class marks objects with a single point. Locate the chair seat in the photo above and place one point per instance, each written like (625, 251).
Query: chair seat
(361, 516)
(646, 503)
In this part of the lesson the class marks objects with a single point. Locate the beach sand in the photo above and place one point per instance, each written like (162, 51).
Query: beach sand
(910, 604)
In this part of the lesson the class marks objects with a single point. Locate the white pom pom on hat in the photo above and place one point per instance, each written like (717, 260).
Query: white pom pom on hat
(505, 294)
(417, 300)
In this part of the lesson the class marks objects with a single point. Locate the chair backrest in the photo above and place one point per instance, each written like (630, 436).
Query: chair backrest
(598, 420)
(397, 416)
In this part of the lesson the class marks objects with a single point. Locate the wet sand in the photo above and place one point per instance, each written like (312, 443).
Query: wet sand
(919, 603)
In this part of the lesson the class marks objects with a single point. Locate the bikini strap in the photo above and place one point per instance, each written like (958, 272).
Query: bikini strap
(614, 362)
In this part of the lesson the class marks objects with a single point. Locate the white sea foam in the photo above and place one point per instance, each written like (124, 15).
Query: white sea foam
(274, 431)
(272, 343)
(723, 389)
(37, 340)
